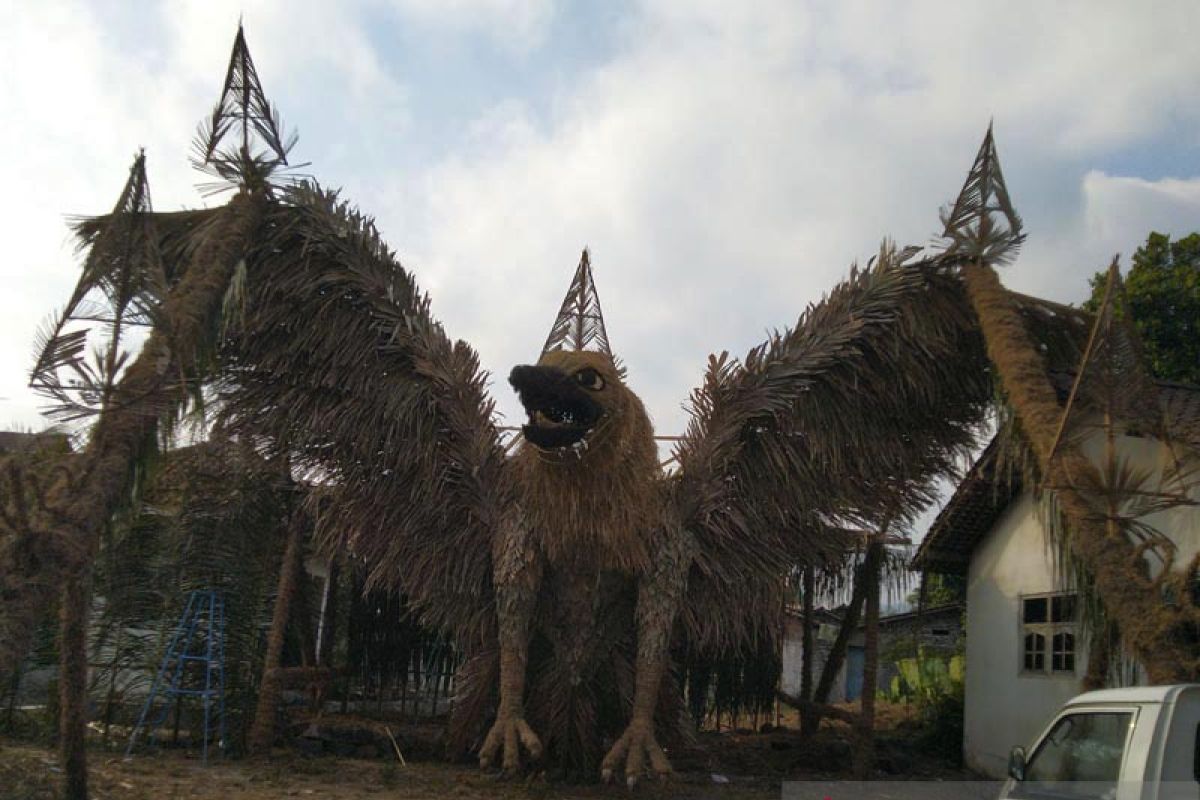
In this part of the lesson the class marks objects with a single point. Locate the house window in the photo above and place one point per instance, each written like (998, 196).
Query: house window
(1048, 625)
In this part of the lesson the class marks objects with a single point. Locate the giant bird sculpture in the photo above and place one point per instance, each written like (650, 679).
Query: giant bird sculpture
(570, 571)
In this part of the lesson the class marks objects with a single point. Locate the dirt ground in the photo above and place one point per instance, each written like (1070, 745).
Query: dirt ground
(731, 765)
(32, 773)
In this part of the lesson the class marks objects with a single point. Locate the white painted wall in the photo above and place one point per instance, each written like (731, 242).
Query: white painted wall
(1154, 461)
(793, 655)
(1003, 706)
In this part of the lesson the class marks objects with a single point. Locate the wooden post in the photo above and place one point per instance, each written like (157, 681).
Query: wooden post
(808, 643)
(72, 682)
(262, 733)
(864, 754)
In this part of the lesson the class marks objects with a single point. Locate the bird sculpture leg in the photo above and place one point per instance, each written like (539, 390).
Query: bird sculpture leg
(659, 595)
(518, 575)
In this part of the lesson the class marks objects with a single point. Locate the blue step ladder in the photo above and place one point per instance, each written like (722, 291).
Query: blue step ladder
(198, 639)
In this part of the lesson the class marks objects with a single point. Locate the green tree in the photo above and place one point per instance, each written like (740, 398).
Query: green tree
(940, 590)
(1163, 298)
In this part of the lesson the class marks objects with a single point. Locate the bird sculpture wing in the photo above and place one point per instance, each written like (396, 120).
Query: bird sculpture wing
(841, 422)
(338, 358)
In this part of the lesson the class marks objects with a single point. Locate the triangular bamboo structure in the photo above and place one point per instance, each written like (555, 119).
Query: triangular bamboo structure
(983, 230)
(982, 225)
(242, 138)
(580, 323)
(122, 282)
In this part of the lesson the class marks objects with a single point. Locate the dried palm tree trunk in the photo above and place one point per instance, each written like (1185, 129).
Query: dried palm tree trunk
(864, 754)
(838, 653)
(125, 430)
(262, 734)
(1162, 638)
(329, 614)
(808, 643)
(72, 682)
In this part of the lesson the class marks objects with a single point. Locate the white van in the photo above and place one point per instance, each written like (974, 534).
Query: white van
(1140, 743)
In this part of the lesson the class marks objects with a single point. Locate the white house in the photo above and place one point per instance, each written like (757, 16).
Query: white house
(1025, 651)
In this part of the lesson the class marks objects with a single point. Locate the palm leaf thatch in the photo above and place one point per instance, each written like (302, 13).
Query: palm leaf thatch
(1163, 638)
(771, 457)
(982, 225)
(125, 267)
(262, 734)
(340, 361)
(84, 496)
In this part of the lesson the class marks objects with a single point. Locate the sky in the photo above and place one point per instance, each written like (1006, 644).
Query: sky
(724, 162)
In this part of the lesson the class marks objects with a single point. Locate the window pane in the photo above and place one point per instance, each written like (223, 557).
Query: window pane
(1062, 608)
(1056, 662)
(1069, 662)
(1084, 749)
(1034, 610)
(1039, 662)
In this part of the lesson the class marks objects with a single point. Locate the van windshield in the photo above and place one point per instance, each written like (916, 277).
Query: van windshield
(1080, 757)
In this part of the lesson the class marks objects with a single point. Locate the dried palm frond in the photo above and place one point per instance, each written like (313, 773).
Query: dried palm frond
(848, 418)
(1112, 393)
(33, 555)
(122, 283)
(240, 143)
(210, 518)
(339, 361)
(77, 500)
(982, 225)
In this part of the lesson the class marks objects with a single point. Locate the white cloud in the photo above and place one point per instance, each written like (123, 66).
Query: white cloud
(725, 163)
(518, 26)
(83, 91)
(730, 161)
(1118, 212)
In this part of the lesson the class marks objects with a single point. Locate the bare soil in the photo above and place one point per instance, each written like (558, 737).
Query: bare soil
(730, 765)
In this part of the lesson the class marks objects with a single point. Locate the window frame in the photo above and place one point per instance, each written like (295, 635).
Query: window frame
(1049, 630)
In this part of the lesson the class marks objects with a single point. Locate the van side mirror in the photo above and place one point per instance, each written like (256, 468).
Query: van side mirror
(1016, 763)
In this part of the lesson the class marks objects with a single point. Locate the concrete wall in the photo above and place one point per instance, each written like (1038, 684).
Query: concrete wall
(793, 654)
(1003, 706)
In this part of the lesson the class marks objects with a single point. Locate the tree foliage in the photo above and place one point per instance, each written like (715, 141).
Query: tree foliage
(1162, 292)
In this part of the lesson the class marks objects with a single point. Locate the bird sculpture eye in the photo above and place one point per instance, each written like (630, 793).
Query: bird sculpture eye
(590, 379)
